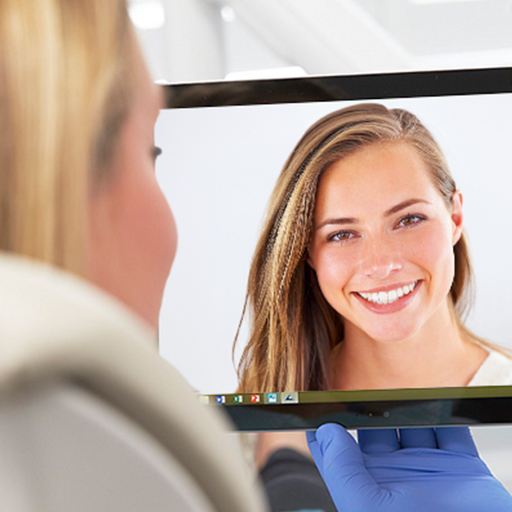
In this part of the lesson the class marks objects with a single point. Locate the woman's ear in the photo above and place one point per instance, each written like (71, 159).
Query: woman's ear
(457, 216)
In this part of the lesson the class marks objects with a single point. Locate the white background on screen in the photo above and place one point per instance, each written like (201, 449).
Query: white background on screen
(218, 168)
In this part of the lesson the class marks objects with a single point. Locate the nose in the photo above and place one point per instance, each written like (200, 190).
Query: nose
(380, 261)
(381, 271)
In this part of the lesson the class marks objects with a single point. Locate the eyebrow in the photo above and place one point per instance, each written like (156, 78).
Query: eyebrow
(387, 213)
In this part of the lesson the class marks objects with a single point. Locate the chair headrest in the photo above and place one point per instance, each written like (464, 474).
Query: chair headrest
(55, 327)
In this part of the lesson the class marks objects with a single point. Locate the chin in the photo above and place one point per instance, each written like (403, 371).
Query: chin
(392, 334)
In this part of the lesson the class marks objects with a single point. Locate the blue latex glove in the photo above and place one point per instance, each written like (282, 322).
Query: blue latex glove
(419, 470)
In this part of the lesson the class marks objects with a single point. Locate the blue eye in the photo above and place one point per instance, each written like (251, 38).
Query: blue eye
(341, 236)
(410, 220)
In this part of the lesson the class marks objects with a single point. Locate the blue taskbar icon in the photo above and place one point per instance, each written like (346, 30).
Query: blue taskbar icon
(220, 399)
(271, 398)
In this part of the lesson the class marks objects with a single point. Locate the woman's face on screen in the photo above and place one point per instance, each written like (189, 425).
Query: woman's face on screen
(132, 232)
(382, 245)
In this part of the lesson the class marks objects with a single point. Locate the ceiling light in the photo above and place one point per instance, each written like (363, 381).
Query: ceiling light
(147, 15)
(228, 13)
(278, 72)
(429, 2)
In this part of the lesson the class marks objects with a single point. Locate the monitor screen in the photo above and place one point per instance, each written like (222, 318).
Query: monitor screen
(386, 275)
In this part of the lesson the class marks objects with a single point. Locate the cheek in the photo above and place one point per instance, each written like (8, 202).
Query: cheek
(334, 268)
(431, 249)
(150, 230)
(148, 245)
(132, 242)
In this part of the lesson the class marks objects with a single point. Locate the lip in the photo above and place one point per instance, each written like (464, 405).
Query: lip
(388, 287)
(398, 305)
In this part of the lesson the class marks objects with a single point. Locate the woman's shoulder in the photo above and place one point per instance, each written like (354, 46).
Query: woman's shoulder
(496, 370)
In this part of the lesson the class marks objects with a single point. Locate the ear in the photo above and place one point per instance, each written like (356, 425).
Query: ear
(457, 216)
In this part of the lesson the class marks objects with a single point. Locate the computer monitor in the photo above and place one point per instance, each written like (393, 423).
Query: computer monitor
(224, 146)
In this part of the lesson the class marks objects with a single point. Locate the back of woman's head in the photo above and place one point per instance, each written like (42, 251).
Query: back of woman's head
(64, 88)
(293, 328)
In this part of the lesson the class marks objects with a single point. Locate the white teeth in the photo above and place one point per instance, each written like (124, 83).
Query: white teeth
(390, 296)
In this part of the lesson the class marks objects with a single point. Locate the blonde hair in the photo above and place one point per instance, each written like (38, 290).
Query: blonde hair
(64, 92)
(293, 328)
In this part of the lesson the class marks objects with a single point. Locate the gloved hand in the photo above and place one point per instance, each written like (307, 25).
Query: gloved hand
(420, 470)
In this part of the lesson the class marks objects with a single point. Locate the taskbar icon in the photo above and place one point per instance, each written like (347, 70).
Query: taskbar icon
(291, 397)
(271, 398)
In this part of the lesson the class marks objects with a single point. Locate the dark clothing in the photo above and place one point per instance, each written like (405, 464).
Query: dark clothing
(292, 483)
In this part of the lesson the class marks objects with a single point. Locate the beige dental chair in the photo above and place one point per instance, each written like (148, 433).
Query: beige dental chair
(92, 419)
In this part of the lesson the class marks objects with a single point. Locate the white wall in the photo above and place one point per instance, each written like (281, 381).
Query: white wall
(217, 170)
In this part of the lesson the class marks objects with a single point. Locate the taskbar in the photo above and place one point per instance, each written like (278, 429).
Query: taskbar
(390, 408)
(252, 398)
(305, 397)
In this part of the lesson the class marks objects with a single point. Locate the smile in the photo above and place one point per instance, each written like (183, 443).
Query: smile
(389, 296)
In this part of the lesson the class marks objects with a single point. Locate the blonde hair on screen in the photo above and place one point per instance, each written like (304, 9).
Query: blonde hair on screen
(64, 90)
(292, 327)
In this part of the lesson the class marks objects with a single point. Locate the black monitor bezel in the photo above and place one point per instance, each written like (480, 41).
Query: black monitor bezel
(440, 406)
(342, 87)
(421, 407)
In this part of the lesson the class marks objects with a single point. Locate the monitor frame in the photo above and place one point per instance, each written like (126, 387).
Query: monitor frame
(366, 408)
(390, 408)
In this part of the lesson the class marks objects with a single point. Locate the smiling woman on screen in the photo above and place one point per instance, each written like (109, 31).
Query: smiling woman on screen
(361, 276)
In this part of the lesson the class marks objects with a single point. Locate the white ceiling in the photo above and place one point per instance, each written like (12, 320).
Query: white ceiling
(231, 39)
